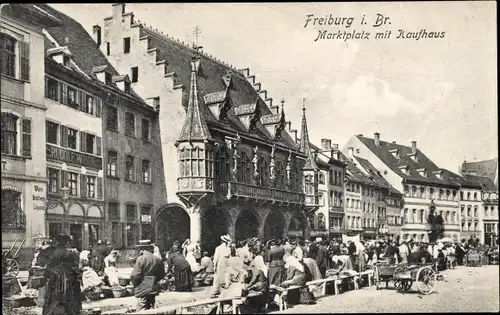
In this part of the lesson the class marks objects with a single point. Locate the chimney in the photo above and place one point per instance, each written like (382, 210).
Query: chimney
(394, 142)
(376, 139)
(414, 147)
(97, 34)
(335, 151)
(351, 152)
(289, 123)
(326, 144)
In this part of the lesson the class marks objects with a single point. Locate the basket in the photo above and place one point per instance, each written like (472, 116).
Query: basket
(123, 282)
(93, 296)
(119, 292)
(15, 302)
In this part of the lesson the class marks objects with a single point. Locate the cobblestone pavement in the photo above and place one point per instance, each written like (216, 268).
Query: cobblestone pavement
(465, 289)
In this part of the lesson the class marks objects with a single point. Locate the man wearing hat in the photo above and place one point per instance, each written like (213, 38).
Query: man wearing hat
(321, 256)
(148, 271)
(221, 255)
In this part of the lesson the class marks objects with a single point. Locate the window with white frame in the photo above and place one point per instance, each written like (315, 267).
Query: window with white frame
(112, 163)
(73, 184)
(91, 183)
(52, 89)
(14, 61)
(129, 167)
(10, 133)
(53, 176)
(146, 171)
(72, 138)
(89, 105)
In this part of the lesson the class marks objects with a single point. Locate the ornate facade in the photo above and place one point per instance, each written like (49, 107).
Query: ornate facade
(229, 164)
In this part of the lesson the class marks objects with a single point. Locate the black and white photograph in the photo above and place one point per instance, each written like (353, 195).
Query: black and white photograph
(249, 158)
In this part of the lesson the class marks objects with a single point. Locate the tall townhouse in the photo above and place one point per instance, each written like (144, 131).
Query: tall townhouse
(73, 134)
(355, 184)
(485, 172)
(387, 200)
(24, 183)
(105, 143)
(229, 162)
(471, 210)
(408, 170)
(329, 217)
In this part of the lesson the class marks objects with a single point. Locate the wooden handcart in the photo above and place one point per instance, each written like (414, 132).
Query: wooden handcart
(10, 258)
(403, 276)
(424, 275)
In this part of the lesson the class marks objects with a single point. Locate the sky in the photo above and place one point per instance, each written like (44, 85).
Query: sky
(440, 92)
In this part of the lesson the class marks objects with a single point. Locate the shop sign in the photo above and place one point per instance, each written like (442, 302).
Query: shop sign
(73, 157)
(146, 218)
(39, 195)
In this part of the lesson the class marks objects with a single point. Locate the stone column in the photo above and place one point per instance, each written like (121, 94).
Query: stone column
(195, 224)
(231, 230)
(260, 231)
(306, 230)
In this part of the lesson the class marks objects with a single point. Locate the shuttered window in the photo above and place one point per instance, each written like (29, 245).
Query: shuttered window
(24, 61)
(26, 137)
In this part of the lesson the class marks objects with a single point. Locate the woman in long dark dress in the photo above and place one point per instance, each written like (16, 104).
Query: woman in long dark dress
(183, 277)
(63, 291)
(276, 273)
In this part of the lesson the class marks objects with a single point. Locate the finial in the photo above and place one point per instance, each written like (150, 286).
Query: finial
(303, 104)
(282, 104)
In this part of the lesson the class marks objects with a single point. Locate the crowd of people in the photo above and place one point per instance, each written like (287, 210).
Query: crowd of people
(237, 268)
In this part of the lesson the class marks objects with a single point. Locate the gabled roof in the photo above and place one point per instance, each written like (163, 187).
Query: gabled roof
(383, 153)
(305, 145)
(86, 55)
(487, 168)
(213, 77)
(353, 173)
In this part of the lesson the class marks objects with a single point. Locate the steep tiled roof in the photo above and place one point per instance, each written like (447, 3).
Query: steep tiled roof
(463, 181)
(353, 173)
(486, 168)
(486, 182)
(305, 145)
(383, 152)
(85, 52)
(374, 173)
(324, 156)
(213, 77)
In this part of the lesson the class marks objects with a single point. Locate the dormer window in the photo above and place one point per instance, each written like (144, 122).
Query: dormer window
(405, 169)
(127, 87)
(395, 153)
(66, 61)
(107, 78)
(438, 174)
(414, 157)
(422, 172)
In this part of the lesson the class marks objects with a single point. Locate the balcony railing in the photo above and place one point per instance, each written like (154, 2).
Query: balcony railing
(242, 190)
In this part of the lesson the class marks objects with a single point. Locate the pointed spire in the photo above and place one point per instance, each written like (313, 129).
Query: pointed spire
(305, 146)
(195, 127)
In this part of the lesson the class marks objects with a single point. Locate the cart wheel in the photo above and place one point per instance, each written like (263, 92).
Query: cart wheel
(12, 267)
(407, 286)
(426, 280)
(399, 285)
